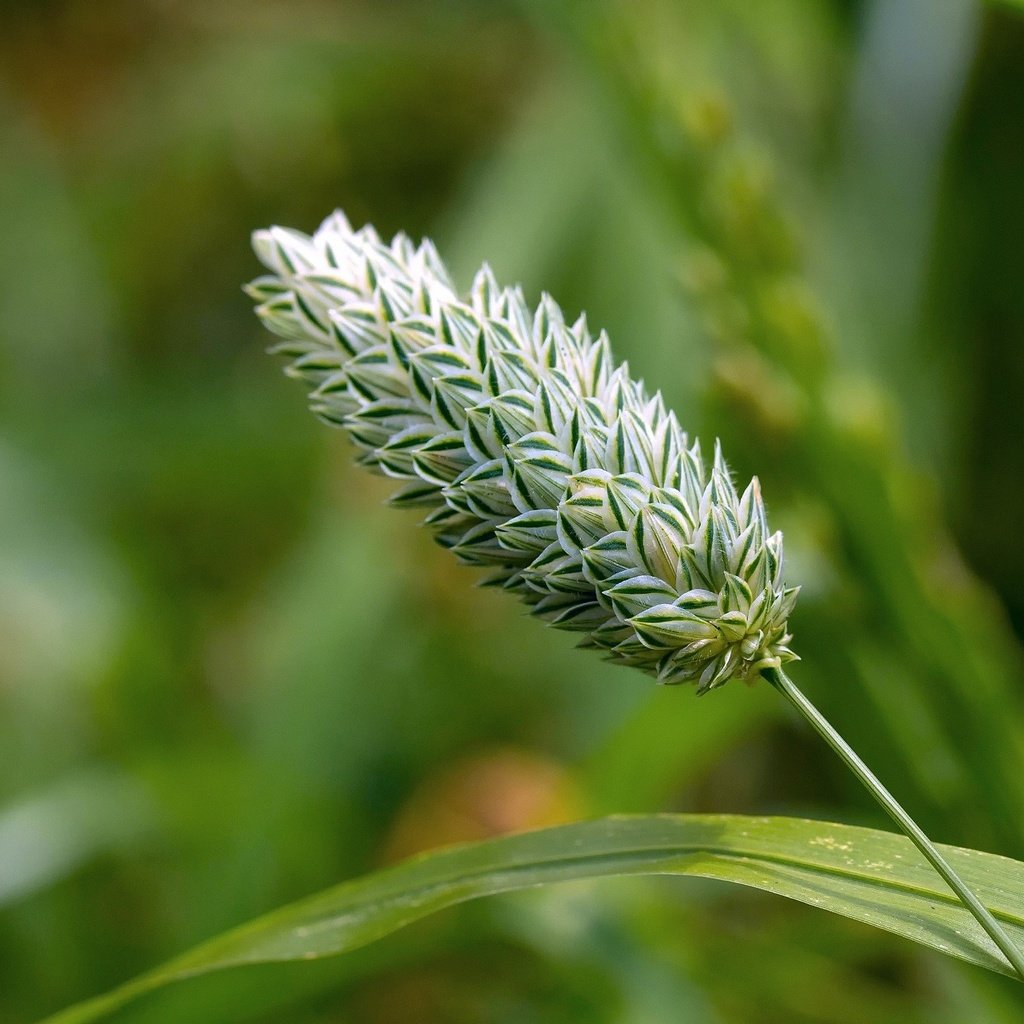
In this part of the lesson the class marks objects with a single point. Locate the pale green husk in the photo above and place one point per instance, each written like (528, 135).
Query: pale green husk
(532, 452)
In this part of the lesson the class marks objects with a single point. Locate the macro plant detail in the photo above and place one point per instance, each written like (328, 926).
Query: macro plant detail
(537, 457)
(534, 456)
(532, 453)
(272, 747)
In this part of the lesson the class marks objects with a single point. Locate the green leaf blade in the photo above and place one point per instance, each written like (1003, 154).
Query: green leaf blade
(870, 876)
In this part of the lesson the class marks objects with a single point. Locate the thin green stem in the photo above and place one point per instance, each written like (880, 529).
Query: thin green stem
(911, 829)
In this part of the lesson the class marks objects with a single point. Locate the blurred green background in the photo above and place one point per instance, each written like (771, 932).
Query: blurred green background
(802, 220)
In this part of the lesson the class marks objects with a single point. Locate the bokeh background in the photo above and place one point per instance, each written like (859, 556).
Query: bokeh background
(803, 220)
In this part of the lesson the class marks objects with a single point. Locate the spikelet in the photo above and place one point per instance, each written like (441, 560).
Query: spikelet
(531, 453)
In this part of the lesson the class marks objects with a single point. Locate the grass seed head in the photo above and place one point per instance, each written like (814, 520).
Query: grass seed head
(531, 452)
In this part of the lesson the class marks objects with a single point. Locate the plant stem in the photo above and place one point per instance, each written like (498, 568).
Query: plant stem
(911, 829)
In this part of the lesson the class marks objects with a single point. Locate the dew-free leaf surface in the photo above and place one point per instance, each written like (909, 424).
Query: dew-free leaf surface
(864, 874)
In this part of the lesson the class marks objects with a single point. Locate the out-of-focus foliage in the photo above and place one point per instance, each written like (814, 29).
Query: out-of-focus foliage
(801, 220)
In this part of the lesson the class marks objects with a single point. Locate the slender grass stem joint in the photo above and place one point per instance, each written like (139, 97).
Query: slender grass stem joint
(532, 453)
(894, 809)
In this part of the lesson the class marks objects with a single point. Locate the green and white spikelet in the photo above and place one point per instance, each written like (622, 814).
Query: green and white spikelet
(533, 453)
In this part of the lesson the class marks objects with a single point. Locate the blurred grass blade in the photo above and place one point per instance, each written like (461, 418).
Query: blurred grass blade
(46, 837)
(864, 874)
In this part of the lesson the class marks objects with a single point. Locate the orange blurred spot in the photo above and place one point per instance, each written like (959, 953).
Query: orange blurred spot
(498, 792)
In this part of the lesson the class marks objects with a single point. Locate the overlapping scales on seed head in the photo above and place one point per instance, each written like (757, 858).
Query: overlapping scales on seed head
(531, 452)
